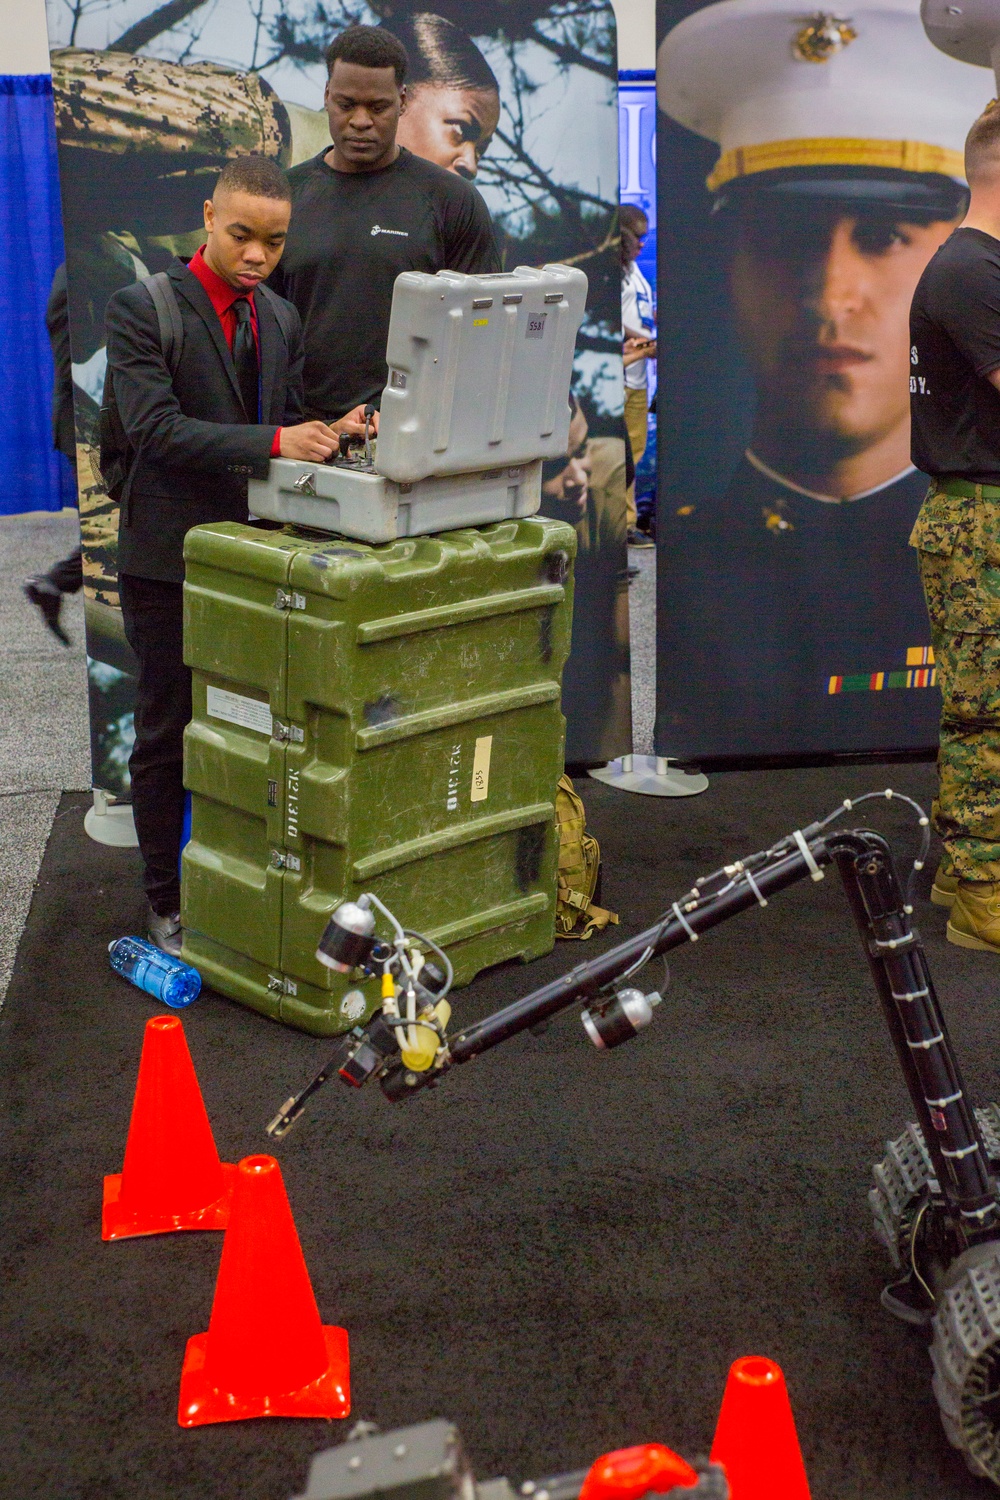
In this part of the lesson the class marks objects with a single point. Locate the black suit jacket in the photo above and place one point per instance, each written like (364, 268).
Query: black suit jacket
(196, 446)
(57, 323)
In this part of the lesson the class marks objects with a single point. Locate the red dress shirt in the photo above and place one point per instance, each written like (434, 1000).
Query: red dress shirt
(222, 296)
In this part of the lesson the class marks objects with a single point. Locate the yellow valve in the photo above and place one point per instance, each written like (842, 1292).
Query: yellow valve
(419, 1057)
(442, 1014)
(388, 986)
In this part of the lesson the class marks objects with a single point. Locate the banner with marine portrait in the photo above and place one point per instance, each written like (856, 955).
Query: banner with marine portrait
(809, 166)
(153, 98)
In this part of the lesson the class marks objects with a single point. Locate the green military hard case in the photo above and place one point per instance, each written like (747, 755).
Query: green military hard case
(381, 718)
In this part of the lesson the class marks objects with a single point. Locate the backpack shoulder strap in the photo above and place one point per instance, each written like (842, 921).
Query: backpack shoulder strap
(168, 315)
(282, 311)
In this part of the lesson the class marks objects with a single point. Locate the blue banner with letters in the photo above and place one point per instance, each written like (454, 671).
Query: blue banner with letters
(637, 184)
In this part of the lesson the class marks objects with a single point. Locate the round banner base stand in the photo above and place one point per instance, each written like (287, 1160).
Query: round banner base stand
(651, 776)
(110, 822)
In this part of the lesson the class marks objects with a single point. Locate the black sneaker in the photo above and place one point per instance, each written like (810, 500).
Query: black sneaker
(165, 931)
(48, 600)
(637, 538)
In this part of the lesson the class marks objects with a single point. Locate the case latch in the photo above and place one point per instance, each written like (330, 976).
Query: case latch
(282, 861)
(293, 732)
(290, 600)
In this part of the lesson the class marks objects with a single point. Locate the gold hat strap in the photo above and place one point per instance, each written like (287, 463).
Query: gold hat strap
(824, 151)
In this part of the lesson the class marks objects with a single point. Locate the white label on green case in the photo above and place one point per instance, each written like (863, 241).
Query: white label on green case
(234, 708)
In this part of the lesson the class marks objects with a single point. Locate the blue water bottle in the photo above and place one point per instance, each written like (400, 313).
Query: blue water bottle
(158, 973)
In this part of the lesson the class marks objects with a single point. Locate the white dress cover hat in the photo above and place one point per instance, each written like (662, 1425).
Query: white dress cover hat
(781, 89)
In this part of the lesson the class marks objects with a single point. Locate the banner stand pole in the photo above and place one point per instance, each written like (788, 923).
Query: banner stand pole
(650, 776)
(110, 822)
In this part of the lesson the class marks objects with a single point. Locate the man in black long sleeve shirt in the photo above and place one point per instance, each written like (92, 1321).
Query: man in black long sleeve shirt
(364, 211)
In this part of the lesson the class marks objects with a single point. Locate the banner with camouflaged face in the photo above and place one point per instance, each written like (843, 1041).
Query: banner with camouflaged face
(808, 167)
(152, 99)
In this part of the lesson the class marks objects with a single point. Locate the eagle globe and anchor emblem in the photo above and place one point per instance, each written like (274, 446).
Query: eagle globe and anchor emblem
(822, 37)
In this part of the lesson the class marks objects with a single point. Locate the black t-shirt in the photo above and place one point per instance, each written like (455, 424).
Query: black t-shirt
(351, 235)
(954, 346)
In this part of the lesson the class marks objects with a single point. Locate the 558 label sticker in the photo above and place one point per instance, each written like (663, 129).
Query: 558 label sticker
(480, 787)
(481, 769)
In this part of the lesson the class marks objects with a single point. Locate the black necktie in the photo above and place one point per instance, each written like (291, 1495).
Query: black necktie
(245, 358)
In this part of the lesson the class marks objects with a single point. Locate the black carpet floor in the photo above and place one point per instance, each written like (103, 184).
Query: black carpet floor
(562, 1251)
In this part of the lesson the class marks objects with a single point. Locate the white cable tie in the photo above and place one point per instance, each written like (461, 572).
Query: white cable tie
(814, 870)
(965, 1151)
(682, 919)
(761, 900)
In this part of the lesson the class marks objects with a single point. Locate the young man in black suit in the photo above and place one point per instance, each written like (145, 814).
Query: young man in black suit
(195, 436)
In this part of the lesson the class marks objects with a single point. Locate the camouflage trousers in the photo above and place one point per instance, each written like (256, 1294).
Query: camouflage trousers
(966, 811)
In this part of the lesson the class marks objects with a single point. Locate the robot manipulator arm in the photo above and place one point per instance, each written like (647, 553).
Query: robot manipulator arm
(406, 1046)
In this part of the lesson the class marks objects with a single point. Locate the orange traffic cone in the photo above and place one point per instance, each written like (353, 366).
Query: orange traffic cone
(172, 1177)
(630, 1473)
(265, 1354)
(755, 1438)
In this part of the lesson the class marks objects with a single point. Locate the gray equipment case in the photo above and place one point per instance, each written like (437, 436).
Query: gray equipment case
(477, 398)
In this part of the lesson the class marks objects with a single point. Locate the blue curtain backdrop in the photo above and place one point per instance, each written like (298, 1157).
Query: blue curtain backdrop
(637, 184)
(33, 476)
